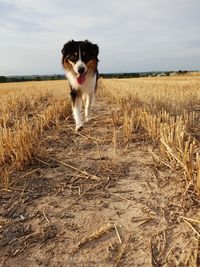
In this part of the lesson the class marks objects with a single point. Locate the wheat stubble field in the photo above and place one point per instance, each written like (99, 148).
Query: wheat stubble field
(125, 191)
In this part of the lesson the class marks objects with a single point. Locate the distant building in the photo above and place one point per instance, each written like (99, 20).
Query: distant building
(173, 74)
(161, 74)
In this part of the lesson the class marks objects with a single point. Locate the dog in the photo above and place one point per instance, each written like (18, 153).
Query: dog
(80, 61)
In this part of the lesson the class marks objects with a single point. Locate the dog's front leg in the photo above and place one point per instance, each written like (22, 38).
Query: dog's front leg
(88, 106)
(76, 108)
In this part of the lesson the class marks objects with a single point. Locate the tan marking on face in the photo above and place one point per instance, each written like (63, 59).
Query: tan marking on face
(91, 66)
(72, 63)
(68, 65)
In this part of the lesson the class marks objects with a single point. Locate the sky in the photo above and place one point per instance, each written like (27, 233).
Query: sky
(132, 35)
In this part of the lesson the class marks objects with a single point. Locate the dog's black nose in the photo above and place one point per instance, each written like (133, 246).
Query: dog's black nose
(81, 70)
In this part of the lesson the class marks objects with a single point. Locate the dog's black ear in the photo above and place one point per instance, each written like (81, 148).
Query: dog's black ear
(66, 47)
(95, 49)
(63, 50)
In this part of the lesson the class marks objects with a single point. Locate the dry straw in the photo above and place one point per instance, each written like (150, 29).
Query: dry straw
(167, 109)
(25, 113)
(96, 234)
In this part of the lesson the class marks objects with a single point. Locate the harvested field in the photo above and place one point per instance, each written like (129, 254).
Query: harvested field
(125, 191)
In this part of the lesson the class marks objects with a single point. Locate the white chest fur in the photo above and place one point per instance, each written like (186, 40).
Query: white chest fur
(87, 87)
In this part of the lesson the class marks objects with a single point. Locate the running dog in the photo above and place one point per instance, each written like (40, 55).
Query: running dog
(80, 60)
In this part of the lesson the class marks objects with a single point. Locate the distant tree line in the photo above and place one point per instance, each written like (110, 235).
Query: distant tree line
(120, 75)
(5, 79)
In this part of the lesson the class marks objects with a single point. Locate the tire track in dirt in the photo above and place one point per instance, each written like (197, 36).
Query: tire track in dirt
(89, 200)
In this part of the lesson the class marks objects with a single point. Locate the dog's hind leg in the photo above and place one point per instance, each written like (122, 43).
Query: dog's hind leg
(88, 106)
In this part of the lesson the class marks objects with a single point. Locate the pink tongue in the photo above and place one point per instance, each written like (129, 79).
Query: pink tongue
(81, 79)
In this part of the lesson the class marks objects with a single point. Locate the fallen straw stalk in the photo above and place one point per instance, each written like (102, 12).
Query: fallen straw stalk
(96, 234)
(89, 175)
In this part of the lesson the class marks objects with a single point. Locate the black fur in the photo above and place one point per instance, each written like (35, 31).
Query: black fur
(88, 51)
(73, 95)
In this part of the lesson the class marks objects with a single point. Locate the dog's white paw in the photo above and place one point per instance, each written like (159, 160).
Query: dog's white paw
(79, 127)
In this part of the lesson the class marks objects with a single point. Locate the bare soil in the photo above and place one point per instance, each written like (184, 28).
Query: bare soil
(92, 199)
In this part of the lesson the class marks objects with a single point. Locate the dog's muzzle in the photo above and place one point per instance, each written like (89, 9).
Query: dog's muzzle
(81, 70)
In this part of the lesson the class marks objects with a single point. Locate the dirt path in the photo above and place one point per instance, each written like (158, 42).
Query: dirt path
(91, 200)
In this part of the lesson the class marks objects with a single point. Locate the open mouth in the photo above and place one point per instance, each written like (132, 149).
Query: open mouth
(81, 78)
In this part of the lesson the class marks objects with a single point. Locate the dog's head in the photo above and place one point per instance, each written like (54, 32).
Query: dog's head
(80, 58)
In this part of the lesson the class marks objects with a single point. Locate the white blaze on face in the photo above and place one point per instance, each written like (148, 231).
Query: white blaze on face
(81, 77)
(79, 64)
(79, 53)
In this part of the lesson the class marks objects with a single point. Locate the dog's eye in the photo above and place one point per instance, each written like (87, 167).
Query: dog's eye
(84, 53)
(73, 57)
(86, 57)
(75, 53)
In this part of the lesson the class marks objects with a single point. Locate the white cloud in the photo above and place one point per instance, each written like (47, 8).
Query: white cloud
(132, 35)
